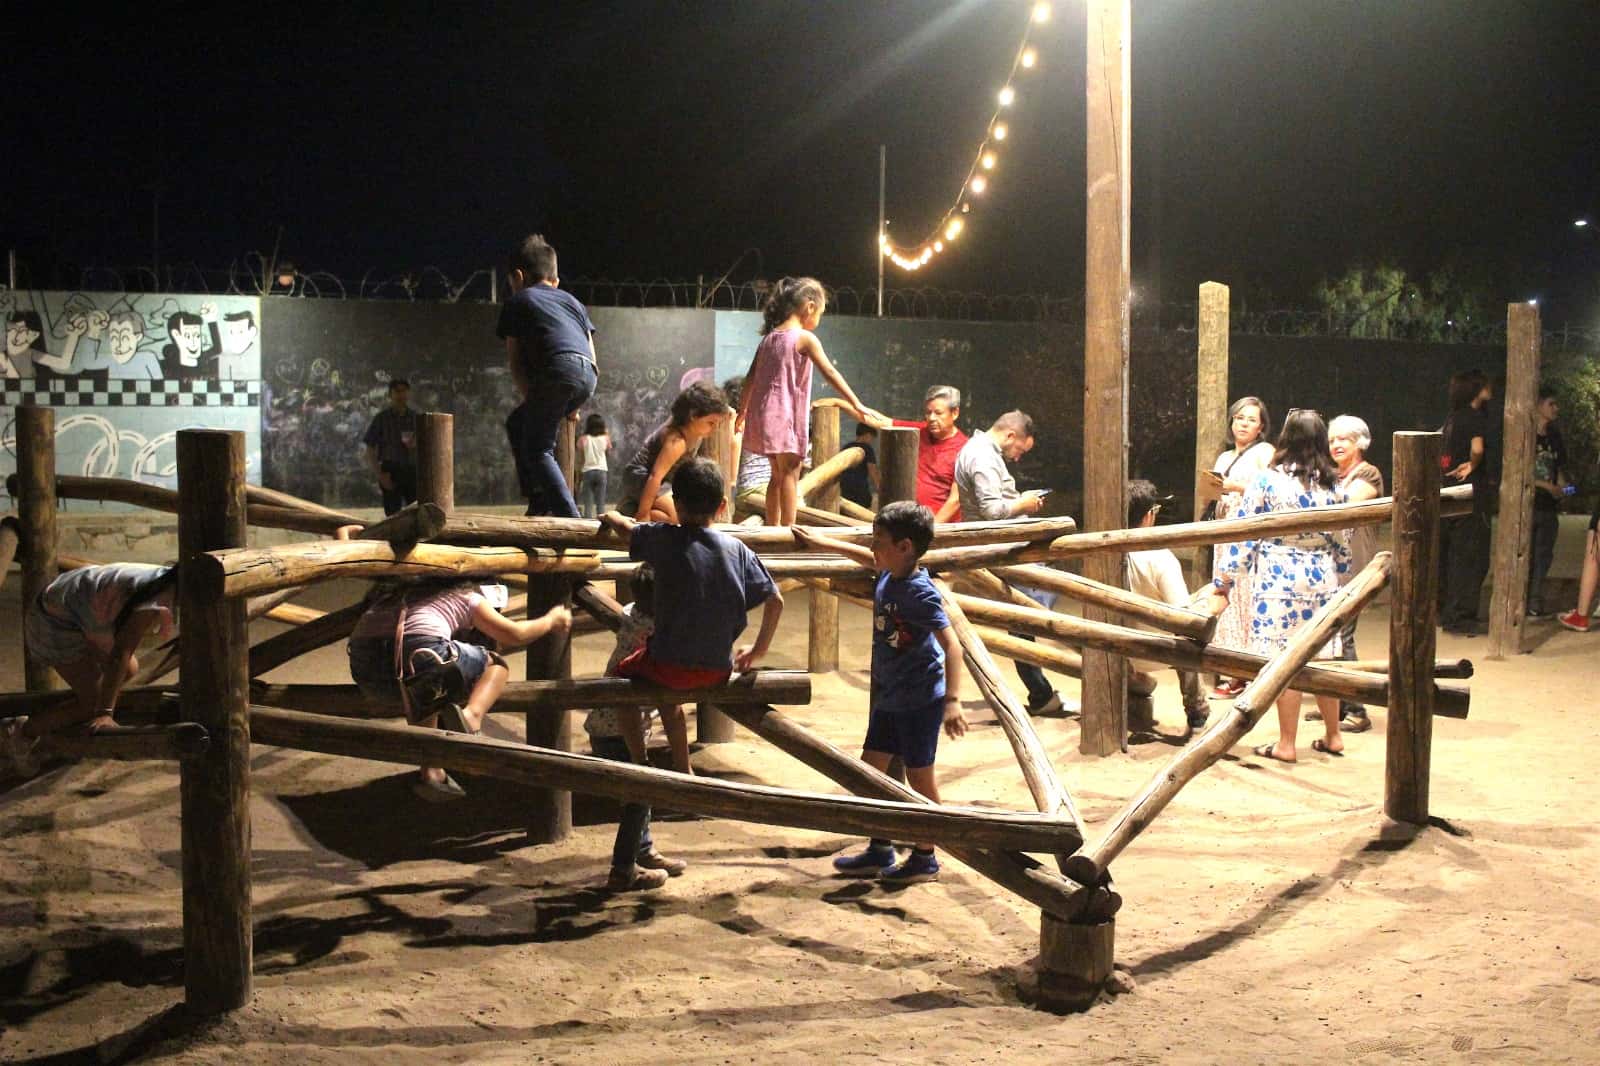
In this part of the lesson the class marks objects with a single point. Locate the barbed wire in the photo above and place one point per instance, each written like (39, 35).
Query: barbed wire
(254, 274)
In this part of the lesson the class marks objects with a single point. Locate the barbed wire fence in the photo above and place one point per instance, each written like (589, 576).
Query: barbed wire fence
(254, 274)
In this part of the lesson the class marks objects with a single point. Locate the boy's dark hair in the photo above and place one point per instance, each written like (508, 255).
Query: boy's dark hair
(644, 590)
(1464, 388)
(788, 296)
(864, 430)
(398, 383)
(1142, 499)
(595, 425)
(1546, 392)
(697, 488)
(697, 401)
(907, 520)
(535, 258)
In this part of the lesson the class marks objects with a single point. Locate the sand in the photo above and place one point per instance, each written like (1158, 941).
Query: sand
(1270, 915)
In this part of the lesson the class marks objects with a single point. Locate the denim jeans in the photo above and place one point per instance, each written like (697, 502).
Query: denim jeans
(1546, 524)
(1464, 544)
(592, 492)
(1039, 687)
(633, 828)
(559, 385)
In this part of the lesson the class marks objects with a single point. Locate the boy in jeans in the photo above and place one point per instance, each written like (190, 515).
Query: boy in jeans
(916, 676)
(705, 584)
(550, 350)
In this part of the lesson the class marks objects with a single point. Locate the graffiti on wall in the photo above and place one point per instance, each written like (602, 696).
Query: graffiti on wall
(126, 371)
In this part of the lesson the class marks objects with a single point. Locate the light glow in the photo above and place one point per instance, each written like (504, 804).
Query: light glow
(989, 160)
(1007, 95)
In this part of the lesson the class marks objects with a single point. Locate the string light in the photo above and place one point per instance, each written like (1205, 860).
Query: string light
(984, 162)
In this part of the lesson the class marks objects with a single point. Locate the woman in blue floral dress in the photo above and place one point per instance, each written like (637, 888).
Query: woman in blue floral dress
(1292, 576)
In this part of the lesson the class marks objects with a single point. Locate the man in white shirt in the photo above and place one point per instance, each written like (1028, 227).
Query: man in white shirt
(988, 492)
(1158, 575)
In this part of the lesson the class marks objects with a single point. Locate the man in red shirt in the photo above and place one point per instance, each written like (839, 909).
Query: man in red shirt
(937, 447)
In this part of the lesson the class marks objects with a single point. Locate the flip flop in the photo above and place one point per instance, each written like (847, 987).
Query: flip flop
(453, 721)
(1265, 751)
(1322, 745)
(445, 791)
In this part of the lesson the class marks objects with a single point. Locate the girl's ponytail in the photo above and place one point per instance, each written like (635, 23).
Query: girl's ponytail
(789, 295)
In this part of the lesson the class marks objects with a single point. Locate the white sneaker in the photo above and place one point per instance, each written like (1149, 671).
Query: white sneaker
(1050, 706)
(17, 748)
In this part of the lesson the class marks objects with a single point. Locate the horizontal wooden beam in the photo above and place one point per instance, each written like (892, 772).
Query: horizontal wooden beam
(157, 498)
(566, 771)
(1131, 606)
(130, 743)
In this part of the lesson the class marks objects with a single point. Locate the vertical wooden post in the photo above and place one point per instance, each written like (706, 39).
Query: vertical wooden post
(549, 810)
(1211, 397)
(36, 507)
(1075, 960)
(213, 655)
(711, 726)
(436, 461)
(897, 464)
(1413, 607)
(822, 648)
(567, 452)
(1105, 374)
(1513, 533)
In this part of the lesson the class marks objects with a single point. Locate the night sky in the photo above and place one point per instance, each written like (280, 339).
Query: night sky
(1274, 142)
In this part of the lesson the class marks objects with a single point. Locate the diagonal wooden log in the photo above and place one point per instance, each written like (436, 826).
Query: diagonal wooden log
(824, 474)
(1020, 873)
(1316, 678)
(293, 643)
(136, 742)
(1049, 794)
(274, 498)
(1184, 622)
(544, 767)
(602, 608)
(157, 498)
(165, 658)
(852, 510)
(413, 522)
(1228, 729)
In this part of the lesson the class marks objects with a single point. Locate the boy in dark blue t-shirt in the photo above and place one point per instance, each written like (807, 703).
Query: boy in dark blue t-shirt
(550, 350)
(916, 677)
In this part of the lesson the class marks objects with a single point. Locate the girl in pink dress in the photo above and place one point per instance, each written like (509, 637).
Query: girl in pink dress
(775, 407)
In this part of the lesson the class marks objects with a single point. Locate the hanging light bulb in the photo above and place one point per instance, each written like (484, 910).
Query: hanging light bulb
(1041, 12)
(989, 160)
(1000, 131)
(1029, 57)
(1007, 95)
(979, 184)
(938, 246)
(953, 230)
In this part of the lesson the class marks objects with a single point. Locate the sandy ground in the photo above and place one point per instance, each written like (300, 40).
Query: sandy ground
(1269, 914)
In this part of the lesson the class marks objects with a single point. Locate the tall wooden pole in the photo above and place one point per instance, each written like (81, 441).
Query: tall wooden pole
(1413, 608)
(711, 726)
(214, 791)
(1105, 401)
(1513, 533)
(897, 464)
(549, 810)
(567, 452)
(436, 461)
(822, 648)
(36, 507)
(1211, 396)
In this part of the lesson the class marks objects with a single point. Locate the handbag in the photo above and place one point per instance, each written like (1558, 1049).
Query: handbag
(429, 681)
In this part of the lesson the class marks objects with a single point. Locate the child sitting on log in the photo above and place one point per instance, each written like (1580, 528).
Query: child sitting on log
(86, 625)
(916, 677)
(1157, 575)
(421, 629)
(621, 734)
(705, 584)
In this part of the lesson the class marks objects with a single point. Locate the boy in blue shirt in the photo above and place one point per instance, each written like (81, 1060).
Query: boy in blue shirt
(550, 350)
(916, 678)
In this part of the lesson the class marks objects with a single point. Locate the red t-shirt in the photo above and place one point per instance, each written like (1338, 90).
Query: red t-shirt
(936, 465)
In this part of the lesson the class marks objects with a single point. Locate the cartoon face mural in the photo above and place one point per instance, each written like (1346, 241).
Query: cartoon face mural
(238, 332)
(124, 334)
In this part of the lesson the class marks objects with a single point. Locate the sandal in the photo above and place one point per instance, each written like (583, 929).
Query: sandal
(1322, 745)
(445, 791)
(1268, 751)
(452, 720)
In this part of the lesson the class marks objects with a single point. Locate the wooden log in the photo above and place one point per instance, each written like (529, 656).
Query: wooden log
(1118, 601)
(272, 606)
(139, 701)
(131, 743)
(1020, 873)
(413, 522)
(718, 446)
(1049, 794)
(293, 643)
(549, 810)
(293, 614)
(36, 508)
(1442, 668)
(1052, 656)
(1513, 531)
(604, 609)
(542, 767)
(158, 498)
(854, 511)
(1226, 730)
(274, 498)
(1318, 679)
(215, 787)
(897, 464)
(1075, 961)
(436, 449)
(822, 619)
(786, 687)
(1412, 612)
(825, 473)
(10, 535)
(567, 452)
(1211, 384)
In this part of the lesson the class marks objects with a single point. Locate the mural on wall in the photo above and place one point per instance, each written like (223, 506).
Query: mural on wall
(125, 372)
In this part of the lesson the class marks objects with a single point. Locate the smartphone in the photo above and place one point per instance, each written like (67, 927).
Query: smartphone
(1042, 493)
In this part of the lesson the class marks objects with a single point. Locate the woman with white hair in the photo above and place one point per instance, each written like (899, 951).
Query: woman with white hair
(1348, 441)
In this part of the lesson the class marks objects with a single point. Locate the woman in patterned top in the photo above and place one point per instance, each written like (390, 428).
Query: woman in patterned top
(1291, 576)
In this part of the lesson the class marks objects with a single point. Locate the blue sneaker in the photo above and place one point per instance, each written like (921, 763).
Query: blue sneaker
(915, 870)
(868, 863)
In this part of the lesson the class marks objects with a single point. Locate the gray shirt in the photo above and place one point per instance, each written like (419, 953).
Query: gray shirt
(985, 485)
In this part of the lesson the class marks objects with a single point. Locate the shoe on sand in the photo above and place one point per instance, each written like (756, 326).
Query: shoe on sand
(654, 860)
(635, 880)
(1578, 623)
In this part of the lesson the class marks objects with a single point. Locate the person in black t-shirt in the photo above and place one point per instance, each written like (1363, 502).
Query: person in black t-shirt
(1464, 540)
(859, 482)
(1550, 486)
(391, 448)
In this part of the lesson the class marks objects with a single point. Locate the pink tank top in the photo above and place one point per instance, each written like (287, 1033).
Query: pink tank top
(778, 422)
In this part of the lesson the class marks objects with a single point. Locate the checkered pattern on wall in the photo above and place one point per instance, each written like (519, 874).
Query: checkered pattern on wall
(67, 392)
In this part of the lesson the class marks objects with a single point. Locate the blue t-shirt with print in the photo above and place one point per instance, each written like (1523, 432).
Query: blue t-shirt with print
(706, 582)
(907, 659)
(547, 321)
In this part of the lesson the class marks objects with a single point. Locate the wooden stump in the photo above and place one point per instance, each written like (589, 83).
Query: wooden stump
(36, 506)
(1074, 964)
(1413, 607)
(897, 464)
(822, 646)
(436, 446)
(215, 787)
(549, 810)
(711, 726)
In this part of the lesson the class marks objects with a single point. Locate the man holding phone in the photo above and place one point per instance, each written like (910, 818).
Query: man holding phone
(989, 492)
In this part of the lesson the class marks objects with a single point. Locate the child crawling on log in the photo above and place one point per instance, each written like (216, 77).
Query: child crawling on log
(422, 630)
(87, 625)
(705, 584)
(916, 677)
(621, 734)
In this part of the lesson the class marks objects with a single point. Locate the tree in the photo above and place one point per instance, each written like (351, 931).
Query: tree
(1383, 302)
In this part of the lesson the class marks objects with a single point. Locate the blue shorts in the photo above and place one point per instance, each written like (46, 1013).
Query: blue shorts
(911, 734)
(372, 663)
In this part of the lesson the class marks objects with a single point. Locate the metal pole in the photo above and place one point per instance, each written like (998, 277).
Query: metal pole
(883, 225)
(11, 268)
